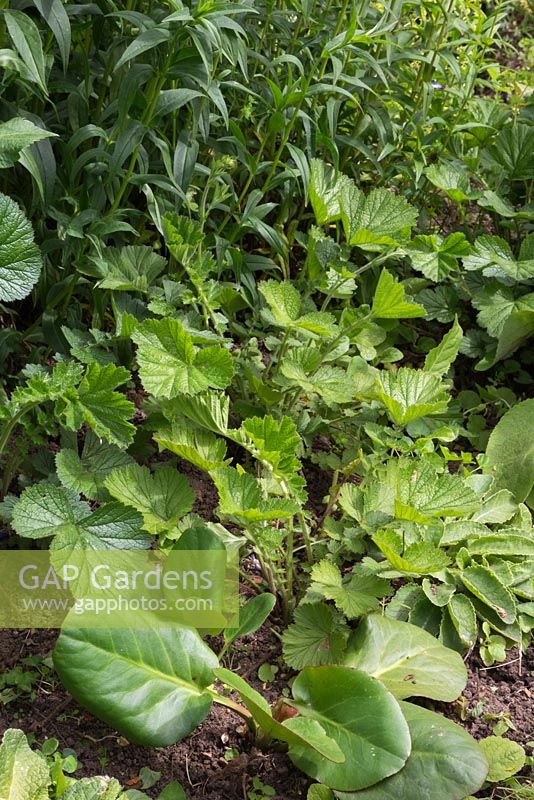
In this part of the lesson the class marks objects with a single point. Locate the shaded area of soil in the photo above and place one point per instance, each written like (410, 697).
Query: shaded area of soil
(198, 762)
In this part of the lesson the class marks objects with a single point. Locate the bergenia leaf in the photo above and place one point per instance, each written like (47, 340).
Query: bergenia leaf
(390, 301)
(169, 363)
(162, 498)
(510, 451)
(20, 258)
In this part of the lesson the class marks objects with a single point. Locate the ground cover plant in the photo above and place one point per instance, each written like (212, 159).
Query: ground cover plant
(266, 285)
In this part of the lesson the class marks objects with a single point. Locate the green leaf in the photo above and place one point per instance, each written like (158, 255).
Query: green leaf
(209, 410)
(20, 258)
(510, 453)
(169, 363)
(46, 384)
(494, 256)
(96, 403)
(512, 150)
(284, 310)
(129, 269)
(199, 447)
(498, 507)
(332, 383)
(496, 305)
(421, 558)
(353, 597)
(49, 510)
(166, 672)
(325, 191)
(435, 256)
(318, 636)
(484, 584)
(24, 775)
(273, 442)
(505, 542)
(445, 762)
(86, 474)
(505, 758)
(347, 703)
(251, 616)
(439, 359)
(409, 394)
(145, 41)
(240, 496)
(307, 733)
(381, 217)
(15, 135)
(463, 618)
(451, 180)
(421, 487)
(162, 498)
(56, 17)
(409, 661)
(319, 792)
(99, 788)
(26, 40)
(390, 300)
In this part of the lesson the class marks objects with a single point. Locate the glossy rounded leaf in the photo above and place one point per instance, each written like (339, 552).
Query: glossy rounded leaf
(361, 716)
(406, 659)
(148, 683)
(445, 764)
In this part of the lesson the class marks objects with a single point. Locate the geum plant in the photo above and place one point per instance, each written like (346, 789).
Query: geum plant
(373, 742)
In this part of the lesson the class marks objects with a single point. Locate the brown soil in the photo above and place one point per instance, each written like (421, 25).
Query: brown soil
(199, 762)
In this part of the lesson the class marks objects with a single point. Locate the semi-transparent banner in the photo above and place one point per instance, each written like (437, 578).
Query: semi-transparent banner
(118, 588)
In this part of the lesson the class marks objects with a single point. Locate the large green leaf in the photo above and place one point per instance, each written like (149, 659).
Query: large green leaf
(169, 363)
(273, 442)
(381, 217)
(48, 510)
(162, 498)
(450, 179)
(355, 596)
(150, 684)
(200, 447)
(445, 763)
(303, 366)
(129, 269)
(510, 451)
(409, 661)
(96, 403)
(284, 310)
(512, 150)
(361, 716)
(435, 256)
(20, 259)
(390, 300)
(505, 757)
(85, 474)
(325, 190)
(409, 394)
(16, 134)
(240, 496)
(494, 256)
(432, 494)
(439, 359)
(24, 774)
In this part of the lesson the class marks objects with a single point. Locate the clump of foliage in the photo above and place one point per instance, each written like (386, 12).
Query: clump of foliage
(278, 240)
